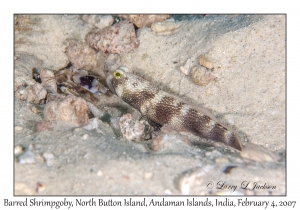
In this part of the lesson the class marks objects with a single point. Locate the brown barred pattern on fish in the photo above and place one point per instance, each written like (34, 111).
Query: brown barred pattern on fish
(164, 108)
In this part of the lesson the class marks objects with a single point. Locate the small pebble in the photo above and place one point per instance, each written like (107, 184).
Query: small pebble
(18, 150)
(221, 160)
(168, 192)
(148, 175)
(185, 184)
(39, 187)
(42, 126)
(76, 130)
(93, 124)
(87, 155)
(85, 136)
(100, 131)
(40, 158)
(49, 157)
(31, 147)
(228, 169)
(258, 153)
(249, 192)
(27, 157)
(23, 189)
(35, 110)
(204, 61)
(126, 178)
(227, 192)
(18, 128)
(191, 178)
(213, 153)
(96, 112)
(99, 173)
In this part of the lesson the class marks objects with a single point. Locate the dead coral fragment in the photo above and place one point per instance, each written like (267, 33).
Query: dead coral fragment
(144, 20)
(22, 82)
(81, 55)
(117, 39)
(99, 21)
(200, 77)
(167, 27)
(71, 110)
(29, 91)
(34, 94)
(135, 131)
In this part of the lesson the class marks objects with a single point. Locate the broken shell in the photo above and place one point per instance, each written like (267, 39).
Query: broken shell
(26, 157)
(72, 110)
(144, 20)
(93, 124)
(200, 77)
(96, 112)
(119, 38)
(187, 67)
(204, 61)
(35, 110)
(48, 80)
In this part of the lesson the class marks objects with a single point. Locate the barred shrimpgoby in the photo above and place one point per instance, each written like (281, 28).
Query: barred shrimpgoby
(164, 108)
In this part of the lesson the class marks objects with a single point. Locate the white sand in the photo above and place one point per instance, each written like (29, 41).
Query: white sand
(249, 95)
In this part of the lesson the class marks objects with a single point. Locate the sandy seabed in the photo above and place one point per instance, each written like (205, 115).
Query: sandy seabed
(248, 95)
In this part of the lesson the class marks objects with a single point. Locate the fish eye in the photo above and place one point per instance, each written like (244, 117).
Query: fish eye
(118, 74)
